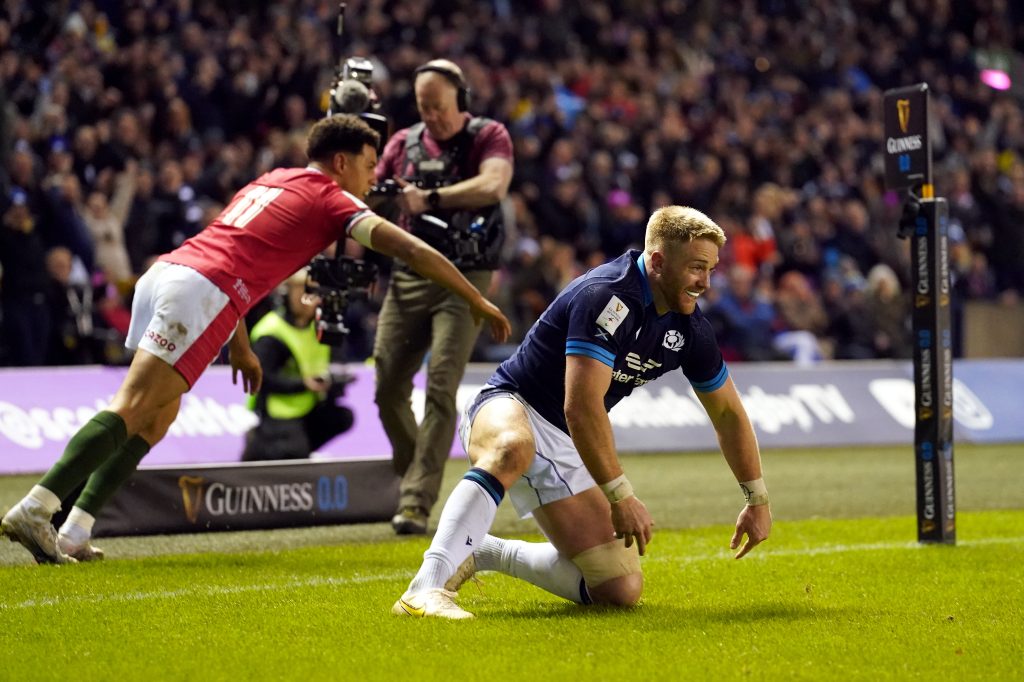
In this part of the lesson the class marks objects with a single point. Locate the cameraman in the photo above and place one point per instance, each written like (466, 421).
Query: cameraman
(457, 168)
(296, 401)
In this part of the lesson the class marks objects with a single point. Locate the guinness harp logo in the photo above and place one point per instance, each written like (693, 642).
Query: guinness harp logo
(903, 112)
(192, 495)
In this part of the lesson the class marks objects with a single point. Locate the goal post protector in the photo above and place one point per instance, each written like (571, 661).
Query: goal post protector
(908, 166)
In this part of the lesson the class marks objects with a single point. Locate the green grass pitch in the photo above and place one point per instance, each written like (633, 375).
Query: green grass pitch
(840, 591)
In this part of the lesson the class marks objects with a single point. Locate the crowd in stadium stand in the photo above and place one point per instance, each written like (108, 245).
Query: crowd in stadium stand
(127, 125)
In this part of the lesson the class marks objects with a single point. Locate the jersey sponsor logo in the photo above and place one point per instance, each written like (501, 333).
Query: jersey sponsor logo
(673, 340)
(613, 314)
(161, 341)
(639, 366)
(242, 290)
(621, 377)
(633, 361)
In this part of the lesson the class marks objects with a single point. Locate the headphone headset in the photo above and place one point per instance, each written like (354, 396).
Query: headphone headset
(462, 97)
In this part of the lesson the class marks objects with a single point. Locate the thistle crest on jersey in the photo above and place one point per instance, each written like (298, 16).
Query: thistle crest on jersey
(674, 340)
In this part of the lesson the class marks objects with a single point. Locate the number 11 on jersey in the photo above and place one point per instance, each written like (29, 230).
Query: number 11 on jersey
(248, 206)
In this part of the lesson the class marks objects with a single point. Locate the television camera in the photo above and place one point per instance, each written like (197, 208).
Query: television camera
(336, 281)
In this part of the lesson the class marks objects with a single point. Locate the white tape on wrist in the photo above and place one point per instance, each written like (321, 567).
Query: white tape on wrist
(617, 489)
(755, 492)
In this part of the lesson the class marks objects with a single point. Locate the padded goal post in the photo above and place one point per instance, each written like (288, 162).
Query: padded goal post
(908, 166)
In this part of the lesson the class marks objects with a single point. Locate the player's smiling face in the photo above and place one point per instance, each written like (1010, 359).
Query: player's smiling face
(681, 274)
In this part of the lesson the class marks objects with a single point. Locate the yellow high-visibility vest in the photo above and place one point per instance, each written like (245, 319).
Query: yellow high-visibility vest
(312, 359)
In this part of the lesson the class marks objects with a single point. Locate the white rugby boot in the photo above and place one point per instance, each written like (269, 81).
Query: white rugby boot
(29, 523)
(433, 603)
(81, 552)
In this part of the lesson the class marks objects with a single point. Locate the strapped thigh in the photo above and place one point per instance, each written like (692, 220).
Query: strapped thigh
(608, 561)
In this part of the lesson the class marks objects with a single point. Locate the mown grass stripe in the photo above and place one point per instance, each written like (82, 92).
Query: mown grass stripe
(322, 581)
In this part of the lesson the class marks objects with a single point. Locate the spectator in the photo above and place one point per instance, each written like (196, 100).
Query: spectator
(801, 317)
(23, 287)
(106, 222)
(890, 313)
(70, 298)
(744, 320)
(700, 105)
(850, 330)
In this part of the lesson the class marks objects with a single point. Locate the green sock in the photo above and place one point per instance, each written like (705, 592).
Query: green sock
(102, 436)
(111, 475)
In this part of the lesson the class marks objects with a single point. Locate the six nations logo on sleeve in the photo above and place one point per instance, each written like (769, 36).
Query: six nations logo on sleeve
(613, 314)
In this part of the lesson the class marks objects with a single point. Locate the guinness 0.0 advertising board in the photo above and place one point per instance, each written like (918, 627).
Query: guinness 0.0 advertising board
(908, 158)
(249, 496)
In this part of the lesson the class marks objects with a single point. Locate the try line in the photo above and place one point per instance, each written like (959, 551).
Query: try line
(321, 581)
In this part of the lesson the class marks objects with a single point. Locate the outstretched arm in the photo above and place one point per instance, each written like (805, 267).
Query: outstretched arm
(586, 383)
(244, 360)
(739, 445)
(427, 261)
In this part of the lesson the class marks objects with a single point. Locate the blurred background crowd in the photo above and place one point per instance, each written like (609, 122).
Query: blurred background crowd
(126, 125)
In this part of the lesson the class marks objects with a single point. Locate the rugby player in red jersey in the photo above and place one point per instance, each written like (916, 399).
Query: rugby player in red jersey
(194, 300)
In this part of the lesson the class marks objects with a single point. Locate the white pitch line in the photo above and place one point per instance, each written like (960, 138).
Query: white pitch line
(764, 553)
(316, 581)
(320, 581)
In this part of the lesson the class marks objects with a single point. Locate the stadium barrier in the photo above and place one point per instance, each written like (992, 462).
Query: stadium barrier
(830, 404)
(248, 496)
(193, 481)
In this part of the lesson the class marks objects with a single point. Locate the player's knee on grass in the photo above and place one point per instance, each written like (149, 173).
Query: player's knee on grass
(612, 573)
(624, 592)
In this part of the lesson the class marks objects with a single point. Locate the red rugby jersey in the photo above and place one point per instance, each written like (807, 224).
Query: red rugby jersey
(272, 227)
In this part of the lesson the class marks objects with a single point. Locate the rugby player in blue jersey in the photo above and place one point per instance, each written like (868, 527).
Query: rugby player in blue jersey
(540, 429)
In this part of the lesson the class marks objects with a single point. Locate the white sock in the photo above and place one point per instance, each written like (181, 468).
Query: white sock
(538, 563)
(465, 520)
(78, 526)
(44, 497)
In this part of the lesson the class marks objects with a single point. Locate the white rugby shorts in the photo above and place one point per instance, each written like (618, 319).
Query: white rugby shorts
(181, 317)
(557, 470)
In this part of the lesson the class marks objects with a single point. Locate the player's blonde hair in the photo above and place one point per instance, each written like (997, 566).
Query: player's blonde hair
(679, 225)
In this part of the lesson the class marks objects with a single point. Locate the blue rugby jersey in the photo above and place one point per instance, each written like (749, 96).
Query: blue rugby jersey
(608, 314)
